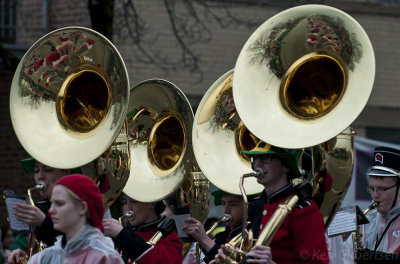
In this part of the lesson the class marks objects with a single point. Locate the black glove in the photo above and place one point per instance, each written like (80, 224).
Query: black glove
(166, 226)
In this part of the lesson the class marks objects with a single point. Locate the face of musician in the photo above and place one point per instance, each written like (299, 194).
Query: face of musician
(383, 191)
(144, 213)
(68, 212)
(233, 205)
(275, 172)
(167, 212)
(48, 175)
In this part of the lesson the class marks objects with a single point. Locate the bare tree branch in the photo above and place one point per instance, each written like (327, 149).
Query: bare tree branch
(190, 24)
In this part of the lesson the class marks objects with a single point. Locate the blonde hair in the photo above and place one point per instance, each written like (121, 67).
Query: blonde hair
(77, 200)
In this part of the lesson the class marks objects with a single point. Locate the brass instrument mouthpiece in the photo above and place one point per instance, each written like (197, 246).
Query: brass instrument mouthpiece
(226, 218)
(370, 207)
(374, 204)
(129, 214)
(256, 173)
(41, 186)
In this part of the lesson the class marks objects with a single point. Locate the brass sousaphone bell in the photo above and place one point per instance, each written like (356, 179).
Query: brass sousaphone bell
(300, 81)
(69, 97)
(219, 137)
(303, 76)
(159, 122)
(68, 102)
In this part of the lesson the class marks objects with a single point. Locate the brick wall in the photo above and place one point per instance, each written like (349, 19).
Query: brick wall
(12, 176)
(34, 21)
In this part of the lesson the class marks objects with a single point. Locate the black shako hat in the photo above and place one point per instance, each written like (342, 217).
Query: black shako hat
(386, 162)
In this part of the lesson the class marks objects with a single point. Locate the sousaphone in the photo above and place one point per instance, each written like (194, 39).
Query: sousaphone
(304, 76)
(159, 122)
(68, 102)
(69, 97)
(219, 137)
(300, 80)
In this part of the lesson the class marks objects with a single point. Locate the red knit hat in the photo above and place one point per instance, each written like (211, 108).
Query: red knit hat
(87, 190)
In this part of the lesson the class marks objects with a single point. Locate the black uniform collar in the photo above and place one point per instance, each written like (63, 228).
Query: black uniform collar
(278, 195)
(148, 227)
(233, 232)
(45, 201)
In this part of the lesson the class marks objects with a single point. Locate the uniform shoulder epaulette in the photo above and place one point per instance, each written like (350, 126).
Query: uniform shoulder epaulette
(302, 204)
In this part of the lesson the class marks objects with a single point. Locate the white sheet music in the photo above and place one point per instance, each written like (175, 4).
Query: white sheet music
(345, 221)
(15, 224)
(107, 214)
(180, 222)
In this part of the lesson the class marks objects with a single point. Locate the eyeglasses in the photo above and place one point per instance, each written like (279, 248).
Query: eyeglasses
(266, 158)
(379, 190)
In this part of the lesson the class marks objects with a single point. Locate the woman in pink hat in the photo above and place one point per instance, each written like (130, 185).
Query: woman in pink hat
(77, 211)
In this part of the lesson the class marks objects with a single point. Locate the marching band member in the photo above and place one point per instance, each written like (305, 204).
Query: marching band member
(232, 205)
(38, 216)
(301, 237)
(77, 211)
(381, 236)
(132, 241)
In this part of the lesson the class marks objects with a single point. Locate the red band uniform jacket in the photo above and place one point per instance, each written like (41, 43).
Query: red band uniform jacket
(301, 237)
(132, 242)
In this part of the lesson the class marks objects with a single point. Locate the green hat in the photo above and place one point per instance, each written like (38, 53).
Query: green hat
(287, 156)
(218, 195)
(29, 166)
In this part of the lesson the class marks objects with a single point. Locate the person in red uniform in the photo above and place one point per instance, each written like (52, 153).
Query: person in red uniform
(132, 240)
(301, 237)
(230, 204)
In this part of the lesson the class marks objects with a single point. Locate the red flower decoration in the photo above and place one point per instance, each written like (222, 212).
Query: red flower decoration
(90, 41)
(62, 38)
(84, 47)
(313, 37)
(61, 61)
(65, 47)
(38, 64)
(52, 57)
